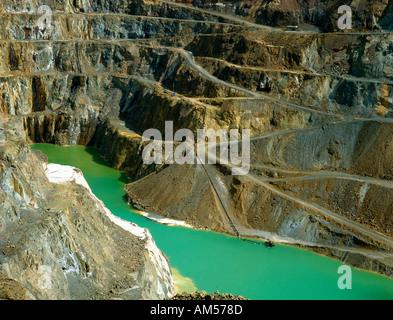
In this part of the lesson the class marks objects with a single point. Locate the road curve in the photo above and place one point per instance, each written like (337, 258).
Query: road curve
(360, 228)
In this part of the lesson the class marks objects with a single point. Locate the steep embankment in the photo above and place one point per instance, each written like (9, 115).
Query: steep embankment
(312, 101)
(309, 15)
(58, 241)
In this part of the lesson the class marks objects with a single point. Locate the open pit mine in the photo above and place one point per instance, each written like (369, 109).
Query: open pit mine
(84, 216)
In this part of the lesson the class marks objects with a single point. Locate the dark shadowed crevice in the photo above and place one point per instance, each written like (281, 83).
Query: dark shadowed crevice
(39, 96)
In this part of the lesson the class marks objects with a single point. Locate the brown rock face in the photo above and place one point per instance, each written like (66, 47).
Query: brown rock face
(57, 241)
(39, 98)
(11, 289)
(318, 106)
(203, 295)
(366, 15)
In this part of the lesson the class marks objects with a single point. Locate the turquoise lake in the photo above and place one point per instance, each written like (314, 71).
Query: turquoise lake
(219, 262)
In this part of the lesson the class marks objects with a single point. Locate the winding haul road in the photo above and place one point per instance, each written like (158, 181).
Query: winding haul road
(262, 181)
(239, 21)
(349, 224)
(219, 188)
(189, 58)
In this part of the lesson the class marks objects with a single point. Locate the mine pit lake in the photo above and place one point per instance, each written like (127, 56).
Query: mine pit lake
(215, 261)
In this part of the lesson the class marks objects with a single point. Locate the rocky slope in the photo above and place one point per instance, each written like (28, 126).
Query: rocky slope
(58, 241)
(203, 295)
(366, 15)
(318, 106)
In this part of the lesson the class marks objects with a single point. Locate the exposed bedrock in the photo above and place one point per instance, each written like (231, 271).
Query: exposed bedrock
(58, 241)
(28, 95)
(77, 27)
(309, 15)
(122, 149)
(359, 147)
(83, 58)
(315, 104)
(328, 93)
(355, 55)
(136, 7)
(364, 201)
(62, 128)
(366, 15)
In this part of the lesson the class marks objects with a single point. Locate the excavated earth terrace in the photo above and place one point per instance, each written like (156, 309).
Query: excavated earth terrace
(318, 106)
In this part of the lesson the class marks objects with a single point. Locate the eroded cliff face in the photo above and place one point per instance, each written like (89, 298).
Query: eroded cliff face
(318, 106)
(58, 241)
(366, 15)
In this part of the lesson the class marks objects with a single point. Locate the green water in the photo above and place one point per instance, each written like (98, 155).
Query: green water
(219, 262)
